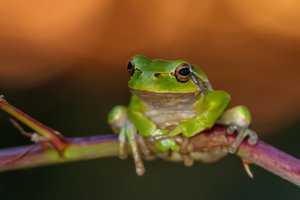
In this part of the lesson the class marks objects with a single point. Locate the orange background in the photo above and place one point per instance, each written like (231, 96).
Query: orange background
(64, 62)
(250, 48)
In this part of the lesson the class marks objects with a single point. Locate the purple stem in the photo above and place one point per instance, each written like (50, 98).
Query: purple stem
(273, 160)
(263, 155)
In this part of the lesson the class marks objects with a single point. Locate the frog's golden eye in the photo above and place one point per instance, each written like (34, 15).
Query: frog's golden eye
(130, 67)
(183, 72)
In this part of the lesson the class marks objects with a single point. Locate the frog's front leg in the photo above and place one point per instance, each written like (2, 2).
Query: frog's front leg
(148, 128)
(210, 108)
(238, 119)
(120, 123)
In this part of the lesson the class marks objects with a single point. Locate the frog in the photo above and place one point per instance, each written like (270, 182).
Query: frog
(172, 98)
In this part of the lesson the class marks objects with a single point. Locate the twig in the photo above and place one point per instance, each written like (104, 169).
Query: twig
(53, 136)
(78, 149)
(207, 146)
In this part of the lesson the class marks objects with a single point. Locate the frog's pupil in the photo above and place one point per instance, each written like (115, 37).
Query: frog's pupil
(184, 71)
(130, 65)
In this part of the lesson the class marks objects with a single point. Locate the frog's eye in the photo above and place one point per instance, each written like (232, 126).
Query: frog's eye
(130, 67)
(183, 72)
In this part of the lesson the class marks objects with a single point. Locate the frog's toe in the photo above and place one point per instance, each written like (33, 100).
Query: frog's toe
(253, 138)
(231, 129)
(188, 161)
(122, 144)
(159, 138)
(242, 133)
(139, 166)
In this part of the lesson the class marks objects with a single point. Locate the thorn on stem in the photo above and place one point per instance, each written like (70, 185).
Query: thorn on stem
(247, 168)
(34, 137)
(17, 126)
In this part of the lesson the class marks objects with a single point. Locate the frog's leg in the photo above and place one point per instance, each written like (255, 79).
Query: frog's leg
(133, 143)
(147, 154)
(122, 143)
(120, 123)
(117, 119)
(146, 127)
(186, 157)
(210, 107)
(238, 119)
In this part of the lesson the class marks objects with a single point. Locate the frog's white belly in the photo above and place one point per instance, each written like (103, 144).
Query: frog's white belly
(167, 109)
(164, 118)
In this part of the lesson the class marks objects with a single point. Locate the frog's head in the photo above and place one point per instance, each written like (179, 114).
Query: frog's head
(166, 76)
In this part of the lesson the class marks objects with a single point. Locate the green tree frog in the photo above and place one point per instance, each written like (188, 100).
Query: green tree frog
(171, 98)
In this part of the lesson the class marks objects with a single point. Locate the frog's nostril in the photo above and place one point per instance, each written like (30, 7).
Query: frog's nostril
(156, 74)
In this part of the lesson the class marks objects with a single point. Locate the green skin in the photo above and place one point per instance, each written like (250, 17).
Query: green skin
(162, 107)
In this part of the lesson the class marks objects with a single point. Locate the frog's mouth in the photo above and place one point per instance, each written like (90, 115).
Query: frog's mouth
(160, 94)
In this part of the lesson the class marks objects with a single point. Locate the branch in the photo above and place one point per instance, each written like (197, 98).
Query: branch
(207, 146)
(262, 154)
(78, 149)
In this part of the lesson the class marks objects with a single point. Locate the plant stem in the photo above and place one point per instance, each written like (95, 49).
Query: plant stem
(77, 149)
(273, 160)
(53, 136)
(214, 142)
(262, 154)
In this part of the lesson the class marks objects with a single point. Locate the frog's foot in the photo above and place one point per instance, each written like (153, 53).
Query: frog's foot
(238, 120)
(184, 150)
(242, 133)
(132, 137)
(120, 123)
(129, 133)
(145, 151)
(35, 137)
(188, 160)
(156, 138)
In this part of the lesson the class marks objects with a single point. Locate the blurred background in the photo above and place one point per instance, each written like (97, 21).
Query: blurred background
(64, 63)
